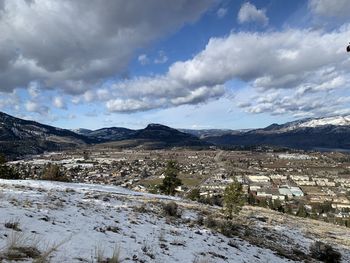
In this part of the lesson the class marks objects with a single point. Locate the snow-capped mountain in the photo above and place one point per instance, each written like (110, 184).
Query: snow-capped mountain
(336, 121)
(309, 123)
(326, 133)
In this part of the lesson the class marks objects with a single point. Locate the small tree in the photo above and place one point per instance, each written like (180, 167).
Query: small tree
(233, 199)
(170, 181)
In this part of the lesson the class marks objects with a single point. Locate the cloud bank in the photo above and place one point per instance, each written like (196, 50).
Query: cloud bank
(73, 45)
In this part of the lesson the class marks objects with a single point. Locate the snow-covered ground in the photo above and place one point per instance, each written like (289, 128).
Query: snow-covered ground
(295, 156)
(90, 218)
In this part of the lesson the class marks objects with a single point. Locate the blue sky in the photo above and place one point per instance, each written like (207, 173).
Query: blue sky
(186, 64)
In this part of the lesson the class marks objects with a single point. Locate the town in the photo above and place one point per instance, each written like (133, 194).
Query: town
(306, 184)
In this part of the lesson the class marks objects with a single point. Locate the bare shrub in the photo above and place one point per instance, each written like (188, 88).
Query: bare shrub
(52, 172)
(19, 247)
(324, 253)
(171, 209)
(13, 224)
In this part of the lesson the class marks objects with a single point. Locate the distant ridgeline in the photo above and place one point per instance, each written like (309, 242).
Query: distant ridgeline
(20, 137)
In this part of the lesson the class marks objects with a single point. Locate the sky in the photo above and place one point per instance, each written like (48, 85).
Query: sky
(208, 64)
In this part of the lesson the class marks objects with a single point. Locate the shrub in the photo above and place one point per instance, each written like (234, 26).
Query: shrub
(324, 252)
(194, 194)
(52, 172)
(13, 224)
(225, 227)
(171, 209)
(211, 200)
(228, 228)
(210, 222)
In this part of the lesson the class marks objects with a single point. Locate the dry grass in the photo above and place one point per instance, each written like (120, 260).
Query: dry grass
(201, 260)
(20, 247)
(25, 247)
(101, 258)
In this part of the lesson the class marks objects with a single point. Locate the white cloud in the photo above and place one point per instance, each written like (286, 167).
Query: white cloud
(249, 13)
(221, 12)
(143, 59)
(74, 45)
(127, 106)
(256, 58)
(103, 94)
(330, 8)
(36, 107)
(10, 101)
(297, 62)
(58, 102)
(162, 58)
(89, 96)
(33, 89)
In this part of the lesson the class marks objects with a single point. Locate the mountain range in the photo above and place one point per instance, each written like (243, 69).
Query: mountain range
(308, 134)
(20, 137)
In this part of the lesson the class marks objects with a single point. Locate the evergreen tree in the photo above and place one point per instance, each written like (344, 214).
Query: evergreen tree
(233, 199)
(170, 181)
(2, 159)
(7, 172)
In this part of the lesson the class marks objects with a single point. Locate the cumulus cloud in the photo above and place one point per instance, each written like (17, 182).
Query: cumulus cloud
(59, 102)
(33, 89)
(294, 105)
(249, 13)
(221, 12)
(145, 93)
(9, 101)
(143, 59)
(301, 61)
(73, 45)
(330, 8)
(162, 58)
(127, 105)
(267, 60)
(36, 107)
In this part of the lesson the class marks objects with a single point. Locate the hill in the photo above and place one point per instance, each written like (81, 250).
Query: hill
(153, 136)
(20, 137)
(87, 223)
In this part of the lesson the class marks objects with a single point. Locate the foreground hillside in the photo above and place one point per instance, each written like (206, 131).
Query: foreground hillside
(90, 223)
